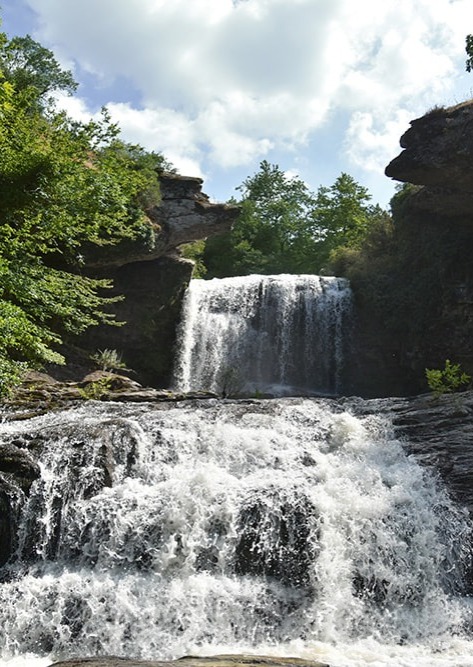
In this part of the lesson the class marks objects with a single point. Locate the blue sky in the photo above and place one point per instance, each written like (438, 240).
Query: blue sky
(315, 86)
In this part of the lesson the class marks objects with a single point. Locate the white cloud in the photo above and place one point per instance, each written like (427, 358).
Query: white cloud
(222, 83)
(371, 142)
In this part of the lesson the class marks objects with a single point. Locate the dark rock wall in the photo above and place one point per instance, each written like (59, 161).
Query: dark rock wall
(423, 312)
(153, 293)
(151, 277)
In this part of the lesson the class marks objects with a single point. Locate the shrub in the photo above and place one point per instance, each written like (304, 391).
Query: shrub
(96, 390)
(108, 360)
(446, 380)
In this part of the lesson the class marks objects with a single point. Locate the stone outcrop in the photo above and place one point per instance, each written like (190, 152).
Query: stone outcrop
(40, 393)
(151, 277)
(184, 214)
(420, 312)
(438, 156)
(214, 661)
(437, 431)
(438, 150)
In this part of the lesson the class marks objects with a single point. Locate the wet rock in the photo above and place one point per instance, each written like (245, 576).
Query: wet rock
(214, 661)
(9, 498)
(437, 431)
(18, 465)
(276, 540)
(18, 470)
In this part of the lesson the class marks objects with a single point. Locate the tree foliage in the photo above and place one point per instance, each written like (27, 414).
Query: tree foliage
(284, 227)
(447, 380)
(63, 184)
(28, 65)
(469, 52)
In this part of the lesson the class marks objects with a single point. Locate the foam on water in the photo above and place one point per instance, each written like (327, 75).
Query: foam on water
(287, 526)
(279, 334)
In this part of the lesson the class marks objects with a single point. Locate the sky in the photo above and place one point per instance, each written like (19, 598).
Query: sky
(318, 87)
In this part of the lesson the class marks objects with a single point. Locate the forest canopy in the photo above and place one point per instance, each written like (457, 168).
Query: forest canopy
(63, 184)
(286, 228)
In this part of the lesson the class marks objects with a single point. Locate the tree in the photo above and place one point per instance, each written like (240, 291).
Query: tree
(341, 216)
(272, 233)
(63, 185)
(285, 228)
(26, 64)
(469, 52)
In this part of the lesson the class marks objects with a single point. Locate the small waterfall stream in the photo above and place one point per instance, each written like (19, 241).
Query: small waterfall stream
(286, 526)
(283, 334)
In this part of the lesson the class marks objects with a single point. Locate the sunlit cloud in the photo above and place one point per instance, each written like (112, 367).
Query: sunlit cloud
(221, 84)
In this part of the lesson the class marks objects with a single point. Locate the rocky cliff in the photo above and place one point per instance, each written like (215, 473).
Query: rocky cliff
(151, 277)
(438, 152)
(214, 661)
(416, 294)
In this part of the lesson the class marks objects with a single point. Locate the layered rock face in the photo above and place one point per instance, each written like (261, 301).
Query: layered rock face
(151, 277)
(429, 317)
(185, 214)
(438, 152)
(214, 661)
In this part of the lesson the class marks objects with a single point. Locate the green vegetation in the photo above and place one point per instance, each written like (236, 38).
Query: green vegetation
(195, 251)
(447, 380)
(285, 228)
(469, 52)
(64, 186)
(97, 389)
(108, 360)
(404, 276)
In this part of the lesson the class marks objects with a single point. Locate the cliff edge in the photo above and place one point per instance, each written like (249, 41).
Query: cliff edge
(150, 277)
(438, 155)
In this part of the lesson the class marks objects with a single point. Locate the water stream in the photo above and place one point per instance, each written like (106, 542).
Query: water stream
(286, 526)
(283, 334)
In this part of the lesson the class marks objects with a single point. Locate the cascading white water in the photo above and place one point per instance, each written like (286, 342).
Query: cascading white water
(283, 334)
(286, 526)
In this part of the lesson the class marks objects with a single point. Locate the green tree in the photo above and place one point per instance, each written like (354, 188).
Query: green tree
(469, 52)
(26, 64)
(286, 228)
(64, 186)
(272, 233)
(341, 216)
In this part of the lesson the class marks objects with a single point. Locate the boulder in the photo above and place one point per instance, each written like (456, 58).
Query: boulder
(275, 540)
(184, 214)
(214, 661)
(18, 465)
(438, 150)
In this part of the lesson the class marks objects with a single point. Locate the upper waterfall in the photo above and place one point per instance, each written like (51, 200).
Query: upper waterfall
(284, 334)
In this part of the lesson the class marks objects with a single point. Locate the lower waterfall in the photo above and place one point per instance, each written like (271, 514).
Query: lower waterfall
(287, 527)
(283, 334)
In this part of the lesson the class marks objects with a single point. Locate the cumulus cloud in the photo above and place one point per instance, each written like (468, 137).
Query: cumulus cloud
(370, 139)
(224, 82)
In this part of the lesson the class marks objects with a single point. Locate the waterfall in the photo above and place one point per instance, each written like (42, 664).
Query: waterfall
(286, 526)
(281, 334)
